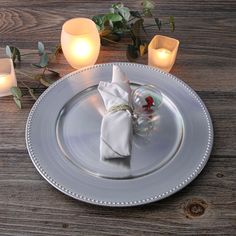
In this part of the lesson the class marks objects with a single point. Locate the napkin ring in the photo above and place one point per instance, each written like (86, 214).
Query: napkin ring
(121, 107)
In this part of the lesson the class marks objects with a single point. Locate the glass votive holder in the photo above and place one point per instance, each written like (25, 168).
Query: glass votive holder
(146, 101)
(7, 76)
(162, 52)
(80, 42)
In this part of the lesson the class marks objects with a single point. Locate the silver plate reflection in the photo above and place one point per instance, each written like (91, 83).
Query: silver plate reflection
(78, 136)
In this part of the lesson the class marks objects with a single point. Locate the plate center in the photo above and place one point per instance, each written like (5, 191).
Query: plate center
(78, 136)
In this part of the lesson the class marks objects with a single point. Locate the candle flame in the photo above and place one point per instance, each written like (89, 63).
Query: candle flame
(3, 79)
(82, 48)
(163, 53)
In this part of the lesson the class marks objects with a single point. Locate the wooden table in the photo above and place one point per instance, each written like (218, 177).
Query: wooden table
(206, 61)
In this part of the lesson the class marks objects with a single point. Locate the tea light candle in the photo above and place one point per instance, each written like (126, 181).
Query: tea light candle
(162, 52)
(162, 57)
(7, 76)
(80, 42)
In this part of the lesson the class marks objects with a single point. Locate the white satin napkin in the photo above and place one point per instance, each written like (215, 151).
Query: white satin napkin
(116, 128)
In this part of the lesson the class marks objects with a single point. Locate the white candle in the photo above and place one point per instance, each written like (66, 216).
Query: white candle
(162, 52)
(5, 82)
(7, 77)
(80, 49)
(80, 42)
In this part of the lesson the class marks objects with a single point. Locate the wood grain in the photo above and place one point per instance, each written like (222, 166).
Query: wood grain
(206, 61)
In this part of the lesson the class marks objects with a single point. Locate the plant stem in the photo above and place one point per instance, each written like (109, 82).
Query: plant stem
(23, 73)
(33, 53)
(109, 40)
(131, 19)
(25, 84)
(44, 70)
(148, 26)
(30, 53)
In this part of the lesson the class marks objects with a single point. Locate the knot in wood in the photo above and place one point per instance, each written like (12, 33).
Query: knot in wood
(195, 208)
(65, 225)
(219, 175)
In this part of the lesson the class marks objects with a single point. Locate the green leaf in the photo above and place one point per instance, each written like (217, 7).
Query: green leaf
(132, 52)
(135, 14)
(136, 27)
(158, 23)
(55, 73)
(38, 77)
(112, 10)
(172, 23)
(114, 17)
(31, 92)
(148, 5)
(120, 28)
(147, 12)
(44, 82)
(16, 92)
(125, 13)
(98, 27)
(36, 65)
(121, 10)
(43, 60)
(18, 55)
(18, 102)
(8, 51)
(58, 49)
(137, 42)
(105, 32)
(143, 49)
(41, 48)
(99, 20)
(13, 52)
(110, 24)
(117, 5)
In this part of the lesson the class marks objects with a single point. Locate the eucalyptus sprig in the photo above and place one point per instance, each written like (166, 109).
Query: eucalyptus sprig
(45, 58)
(120, 21)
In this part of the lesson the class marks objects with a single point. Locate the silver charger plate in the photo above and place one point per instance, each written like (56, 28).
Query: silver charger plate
(63, 132)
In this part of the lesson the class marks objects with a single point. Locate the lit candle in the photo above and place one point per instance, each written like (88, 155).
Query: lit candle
(162, 52)
(162, 57)
(80, 42)
(7, 77)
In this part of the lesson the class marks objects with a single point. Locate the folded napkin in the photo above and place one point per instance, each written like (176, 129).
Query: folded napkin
(116, 128)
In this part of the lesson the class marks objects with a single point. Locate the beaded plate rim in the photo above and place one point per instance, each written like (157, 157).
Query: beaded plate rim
(158, 197)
